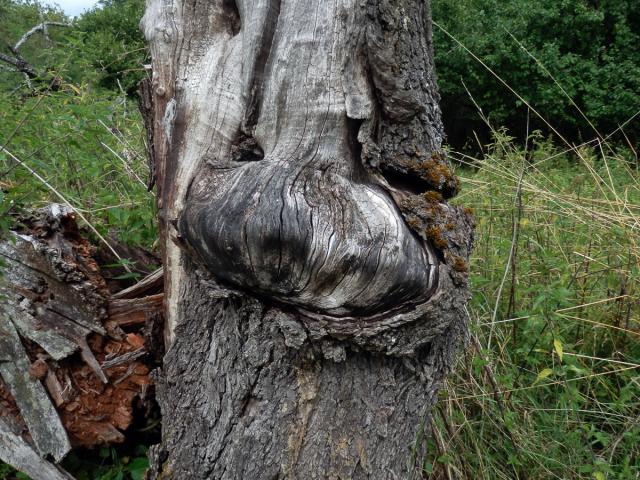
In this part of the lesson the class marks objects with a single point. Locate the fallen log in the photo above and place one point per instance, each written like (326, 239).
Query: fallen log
(73, 360)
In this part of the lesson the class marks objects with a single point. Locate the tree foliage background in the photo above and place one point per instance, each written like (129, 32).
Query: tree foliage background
(589, 47)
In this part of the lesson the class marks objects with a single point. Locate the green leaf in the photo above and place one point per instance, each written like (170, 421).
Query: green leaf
(543, 374)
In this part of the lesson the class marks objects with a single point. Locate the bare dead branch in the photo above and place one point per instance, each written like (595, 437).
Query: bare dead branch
(20, 64)
(41, 27)
(151, 284)
(125, 358)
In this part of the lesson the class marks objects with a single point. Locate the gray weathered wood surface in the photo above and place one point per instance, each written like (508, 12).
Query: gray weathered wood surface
(36, 408)
(17, 452)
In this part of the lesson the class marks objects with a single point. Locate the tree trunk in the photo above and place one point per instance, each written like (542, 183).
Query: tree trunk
(315, 276)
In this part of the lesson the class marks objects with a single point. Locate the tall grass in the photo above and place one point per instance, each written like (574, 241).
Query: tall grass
(550, 386)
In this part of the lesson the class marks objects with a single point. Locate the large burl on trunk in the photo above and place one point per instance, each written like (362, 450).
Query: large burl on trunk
(316, 276)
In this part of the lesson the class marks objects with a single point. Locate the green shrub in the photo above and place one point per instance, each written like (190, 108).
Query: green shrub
(88, 146)
(113, 43)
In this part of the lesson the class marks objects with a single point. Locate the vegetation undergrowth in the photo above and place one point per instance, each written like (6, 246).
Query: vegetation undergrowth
(73, 133)
(550, 384)
(80, 147)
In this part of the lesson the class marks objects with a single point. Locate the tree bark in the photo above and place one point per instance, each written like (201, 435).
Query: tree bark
(315, 275)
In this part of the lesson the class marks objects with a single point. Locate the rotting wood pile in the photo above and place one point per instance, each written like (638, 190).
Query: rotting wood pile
(74, 357)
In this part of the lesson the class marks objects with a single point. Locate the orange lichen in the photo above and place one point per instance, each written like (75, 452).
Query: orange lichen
(432, 196)
(434, 234)
(435, 172)
(459, 264)
(413, 222)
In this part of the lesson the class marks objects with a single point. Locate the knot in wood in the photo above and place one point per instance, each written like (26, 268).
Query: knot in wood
(310, 237)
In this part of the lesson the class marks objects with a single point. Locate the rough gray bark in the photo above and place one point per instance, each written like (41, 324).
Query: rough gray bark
(315, 274)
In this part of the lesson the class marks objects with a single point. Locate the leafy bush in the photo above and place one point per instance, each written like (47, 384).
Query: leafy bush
(88, 147)
(590, 47)
(113, 43)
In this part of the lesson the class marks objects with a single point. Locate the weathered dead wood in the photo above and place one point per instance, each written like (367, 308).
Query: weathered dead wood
(145, 104)
(99, 413)
(57, 346)
(70, 374)
(20, 64)
(54, 297)
(21, 455)
(41, 27)
(127, 358)
(45, 427)
(134, 311)
(150, 285)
